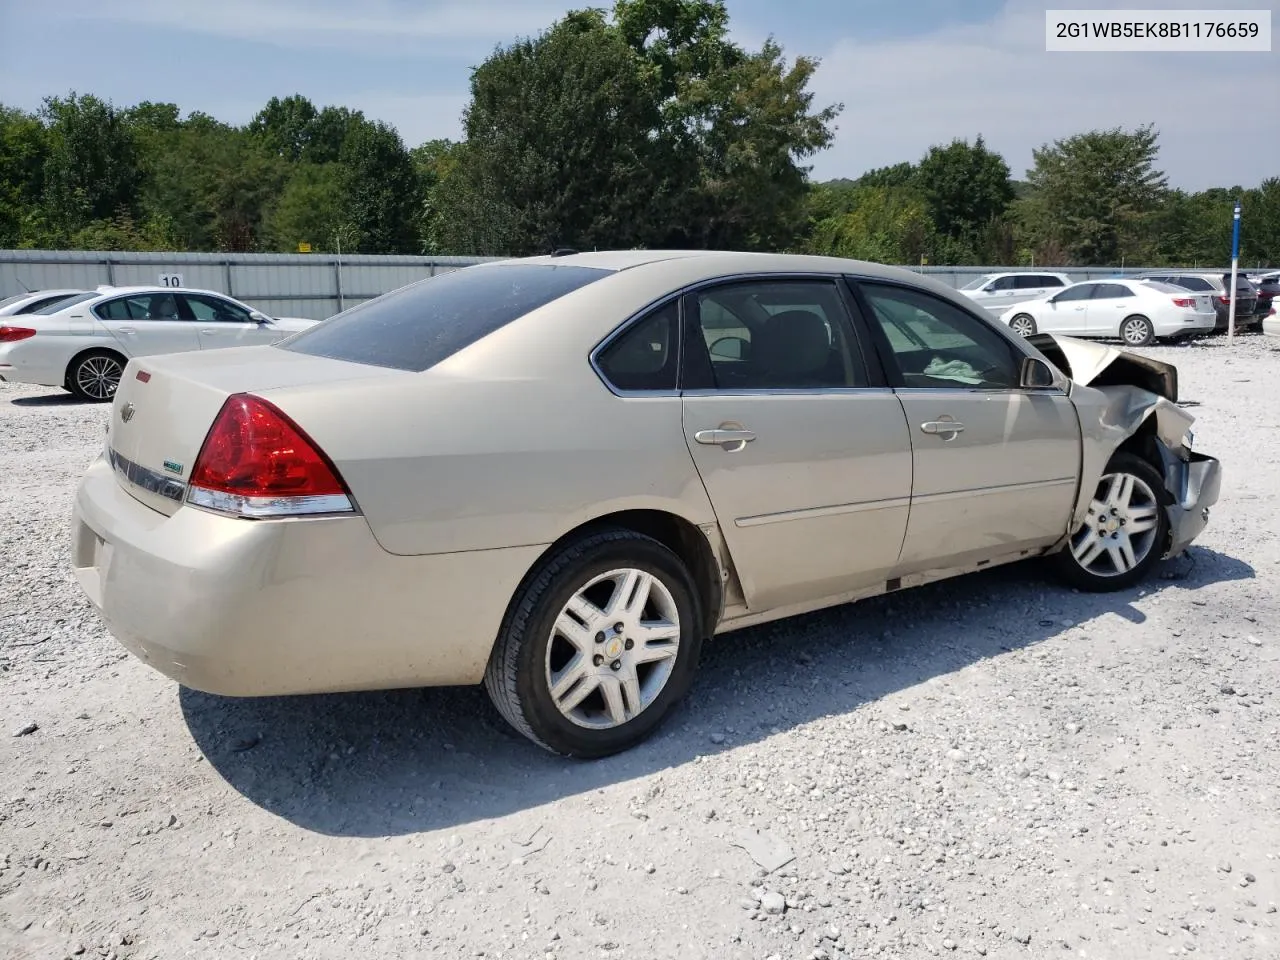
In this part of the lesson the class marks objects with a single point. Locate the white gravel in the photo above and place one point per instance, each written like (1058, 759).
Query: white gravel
(993, 766)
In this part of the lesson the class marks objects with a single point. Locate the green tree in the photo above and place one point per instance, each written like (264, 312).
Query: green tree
(380, 188)
(91, 171)
(24, 149)
(310, 209)
(967, 189)
(883, 224)
(285, 126)
(1094, 193)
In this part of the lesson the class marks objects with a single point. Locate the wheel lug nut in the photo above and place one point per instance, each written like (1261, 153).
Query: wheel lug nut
(597, 659)
(630, 644)
(599, 638)
(617, 628)
(616, 665)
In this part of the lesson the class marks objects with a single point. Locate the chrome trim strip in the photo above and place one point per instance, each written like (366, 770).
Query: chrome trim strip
(150, 480)
(255, 508)
(788, 391)
(835, 510)
(991, 491)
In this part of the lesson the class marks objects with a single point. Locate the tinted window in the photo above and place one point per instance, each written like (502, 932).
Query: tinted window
(936, 344)
(1191, 283)
(1052, 281)
(215, 309)
(1079, 292)
(1030, 281)
(976, 282)
(420, 325)
(645, 356)
(776, 335)
(62, 304)
(1111, 291)
(1004, 283)
(142, 306)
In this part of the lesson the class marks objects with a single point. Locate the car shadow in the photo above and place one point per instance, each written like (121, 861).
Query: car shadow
(397, 762)
(50, 400)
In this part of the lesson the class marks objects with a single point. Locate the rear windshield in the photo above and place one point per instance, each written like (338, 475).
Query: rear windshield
(65, 302)
(420, 325)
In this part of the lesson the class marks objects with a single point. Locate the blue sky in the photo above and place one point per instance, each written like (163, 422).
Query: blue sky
(910, 73)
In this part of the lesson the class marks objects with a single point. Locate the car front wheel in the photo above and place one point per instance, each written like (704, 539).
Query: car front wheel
(1124, 533)
(598, 646)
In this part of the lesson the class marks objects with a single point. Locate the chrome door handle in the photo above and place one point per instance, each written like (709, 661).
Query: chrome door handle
(128, 329)
(209, 333)
(941, 427)
(731, 440)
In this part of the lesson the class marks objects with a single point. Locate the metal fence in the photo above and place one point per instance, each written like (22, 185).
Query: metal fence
(315, 286)
(309, 285)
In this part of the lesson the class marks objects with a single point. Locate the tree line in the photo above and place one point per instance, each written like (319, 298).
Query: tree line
(644, 127)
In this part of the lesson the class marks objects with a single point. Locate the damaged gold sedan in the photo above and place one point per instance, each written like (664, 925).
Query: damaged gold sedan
(559, 475)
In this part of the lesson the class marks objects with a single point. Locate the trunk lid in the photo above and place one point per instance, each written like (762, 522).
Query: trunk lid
(165, 405)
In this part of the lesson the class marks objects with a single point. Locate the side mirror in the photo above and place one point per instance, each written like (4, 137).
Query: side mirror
(1035, 374)
(257, 317)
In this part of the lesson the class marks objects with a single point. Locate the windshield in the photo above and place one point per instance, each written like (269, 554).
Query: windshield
(64, 303)
(420, 325)
(977, 282)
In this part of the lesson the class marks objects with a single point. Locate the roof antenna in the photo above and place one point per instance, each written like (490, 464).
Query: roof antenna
(25, 288)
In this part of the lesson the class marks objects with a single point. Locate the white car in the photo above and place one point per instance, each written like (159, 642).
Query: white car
(32, 300)
(1136, 311)
(83, 343)
(996, 292)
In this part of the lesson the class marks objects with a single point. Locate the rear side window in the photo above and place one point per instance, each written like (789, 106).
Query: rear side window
(420, 325)
(644, 356)
(61, 304)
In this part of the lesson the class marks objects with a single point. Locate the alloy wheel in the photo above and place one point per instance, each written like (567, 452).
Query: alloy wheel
(98, 377)
(612, 649)
(1120, 529)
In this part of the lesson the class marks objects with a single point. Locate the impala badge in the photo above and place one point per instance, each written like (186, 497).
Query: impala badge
(126, 412)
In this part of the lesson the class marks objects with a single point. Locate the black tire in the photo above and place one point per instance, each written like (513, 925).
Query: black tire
(90, 375)
(1027, 322)
(1070, 569)
(517, 678)
(1137, 331)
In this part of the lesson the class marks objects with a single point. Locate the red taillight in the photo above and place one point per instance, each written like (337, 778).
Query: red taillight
(256, 462)
(14, 334)
(1184, 301)
(1223, 299)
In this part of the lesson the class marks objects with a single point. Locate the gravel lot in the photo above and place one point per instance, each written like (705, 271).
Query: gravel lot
(993, 766)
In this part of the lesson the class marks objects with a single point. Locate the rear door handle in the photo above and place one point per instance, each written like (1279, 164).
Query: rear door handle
(942, 427)
(209, 333)
(731, 440)
(128, 329)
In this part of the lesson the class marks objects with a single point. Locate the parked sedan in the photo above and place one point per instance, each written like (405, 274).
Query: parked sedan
(558, 476)
(83, 342)
(32, 300)
(996, 292)
(1136, 311)
(1216, 285)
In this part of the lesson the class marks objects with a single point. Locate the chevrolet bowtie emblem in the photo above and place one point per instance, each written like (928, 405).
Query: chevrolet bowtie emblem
(126, 412)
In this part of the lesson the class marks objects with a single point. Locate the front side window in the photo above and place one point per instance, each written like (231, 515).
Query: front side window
(644, 356)
(1004, 283)
(776, 335)
(425, 323)
(215, 310)
(937, 345)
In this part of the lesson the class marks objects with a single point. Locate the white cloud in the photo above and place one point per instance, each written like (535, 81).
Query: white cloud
(327, 23)
(901, 96)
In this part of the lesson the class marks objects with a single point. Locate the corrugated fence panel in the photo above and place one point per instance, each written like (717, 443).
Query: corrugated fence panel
(202, 276)
(28, 275)
(278, 280)
(312, 309)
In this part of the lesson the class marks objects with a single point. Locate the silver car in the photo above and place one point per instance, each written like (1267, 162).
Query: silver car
(559, 476)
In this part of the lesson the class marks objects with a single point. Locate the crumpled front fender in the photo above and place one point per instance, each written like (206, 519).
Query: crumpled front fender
(1117, 395)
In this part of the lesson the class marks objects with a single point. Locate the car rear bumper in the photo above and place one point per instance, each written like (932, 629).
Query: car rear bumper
(258, 608)
(16, 366)
(1185, 325)
(1195, 485)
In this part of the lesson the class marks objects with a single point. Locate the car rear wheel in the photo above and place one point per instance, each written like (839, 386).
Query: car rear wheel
(95, 375)
(1024, 325)
(1125, 532)
(598, 646)
(1136, 331)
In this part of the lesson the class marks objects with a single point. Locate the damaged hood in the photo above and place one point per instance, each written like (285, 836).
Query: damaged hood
(1098, 365)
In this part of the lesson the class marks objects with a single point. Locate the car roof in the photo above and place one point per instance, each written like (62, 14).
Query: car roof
(110, 291)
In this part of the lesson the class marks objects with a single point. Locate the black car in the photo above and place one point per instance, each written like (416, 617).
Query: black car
(1268, 287)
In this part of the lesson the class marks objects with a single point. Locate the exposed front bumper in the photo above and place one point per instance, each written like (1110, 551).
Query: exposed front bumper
(258, 608)
(1194, 485)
